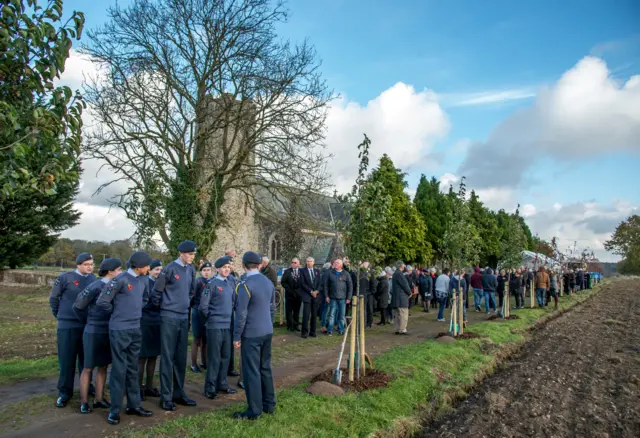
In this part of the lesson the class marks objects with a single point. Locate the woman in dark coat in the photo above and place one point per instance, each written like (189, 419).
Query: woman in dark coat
(502, 280)
(382, 295)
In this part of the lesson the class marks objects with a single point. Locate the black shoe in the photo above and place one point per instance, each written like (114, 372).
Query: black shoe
(304, 336)
(269, 411)
(380, 323)
(61, 402)
(113, 419)
(228, 391)
(153, 392)
(85, 409)
(233, 373)
(298, 329)
(313, 335)
(168, 406)
(104, 404)
(211, 395)
(139, 411)
(203, 366)
(244, 416)
(185, 401)
(195, 369)
(241, 384)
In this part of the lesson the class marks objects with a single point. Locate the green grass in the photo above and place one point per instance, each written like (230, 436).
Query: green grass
(398, 408)
(16, 370)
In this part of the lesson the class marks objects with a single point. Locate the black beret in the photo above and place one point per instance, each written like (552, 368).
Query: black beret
(251, 257)
(187, 246)
(140, 259)
(155, 264)
(224, 260)
(205, 265)
(110, 264)
(83, 257)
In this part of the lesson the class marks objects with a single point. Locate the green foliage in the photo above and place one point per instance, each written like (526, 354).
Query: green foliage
(541, 246)
(486, 222)
(513, 243)
(369, 208)
(291, 226)
(461, 241)
(626, 243)
(37, 119)
(433, 206)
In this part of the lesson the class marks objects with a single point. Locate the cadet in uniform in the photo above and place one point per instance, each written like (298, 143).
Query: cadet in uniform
(123, 298)
(95, 340)
(173, 292)
(65, 290)
(197, 323)
(233, 277)
(216, 308)
(150, 348)
(255, 308)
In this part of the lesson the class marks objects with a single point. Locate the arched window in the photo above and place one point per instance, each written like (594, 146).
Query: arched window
(274, 247)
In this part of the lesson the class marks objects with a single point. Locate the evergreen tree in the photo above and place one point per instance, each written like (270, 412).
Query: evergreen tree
(433, 206)
(404, 234)
(513, 243)
(461, 239)
(486, 223)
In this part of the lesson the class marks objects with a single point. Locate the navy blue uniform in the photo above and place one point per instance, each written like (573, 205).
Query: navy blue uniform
(197, 322)
(255, 308)
(216, 308)
(65, 290)
(123, 298)
(173, 292)
(150, 327)
(95, 340)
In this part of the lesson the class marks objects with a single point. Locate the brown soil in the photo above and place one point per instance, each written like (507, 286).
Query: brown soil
(374, 379)
(578, 377)
(497, 318)
(465, 335)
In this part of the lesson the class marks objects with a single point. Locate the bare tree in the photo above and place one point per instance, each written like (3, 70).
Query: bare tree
(197, 101)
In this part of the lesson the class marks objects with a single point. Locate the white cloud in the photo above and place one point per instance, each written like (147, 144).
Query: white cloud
(401, 122)
(528, 210)
(586, 113)
(100, 223)
(487, 97)
(446, 180)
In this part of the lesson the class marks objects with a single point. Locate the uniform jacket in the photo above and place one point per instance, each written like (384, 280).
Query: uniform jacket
(255, 307)
(65, 290)
(150, 313)
(217, 302)
(201, 284)
(174, 289)
(97, 320)
(124, 298)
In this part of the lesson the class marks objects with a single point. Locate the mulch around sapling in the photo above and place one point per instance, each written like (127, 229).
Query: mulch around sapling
(374, 379)
(465, 335)
(496, 317)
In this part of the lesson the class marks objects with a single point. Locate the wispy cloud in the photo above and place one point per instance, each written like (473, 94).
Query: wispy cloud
(488, 97)
(616, 46)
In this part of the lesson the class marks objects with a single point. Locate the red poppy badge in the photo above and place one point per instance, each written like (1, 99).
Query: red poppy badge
(220, 288)
(177, 277)
(77, 283)
(130, 286)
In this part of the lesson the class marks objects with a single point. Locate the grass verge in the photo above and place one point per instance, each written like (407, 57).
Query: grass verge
(428, 377)
(17, 370)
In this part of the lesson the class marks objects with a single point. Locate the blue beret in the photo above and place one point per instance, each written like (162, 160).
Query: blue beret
(110, 264)
(224, 260)
(205, 265)
(187, 246)
(155, 264)
(83, 257)
(140, 259)
(251, 257)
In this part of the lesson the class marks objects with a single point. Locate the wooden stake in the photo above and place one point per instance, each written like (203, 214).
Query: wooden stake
(460, 296)
(362, 362)
(454, 311)
(505, 301)
(352, 341)
(532, 292)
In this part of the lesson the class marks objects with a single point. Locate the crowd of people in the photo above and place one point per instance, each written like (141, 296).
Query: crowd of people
(128, 318)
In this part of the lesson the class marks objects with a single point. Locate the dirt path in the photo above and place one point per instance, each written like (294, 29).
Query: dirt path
(295, 360)
(579, 377)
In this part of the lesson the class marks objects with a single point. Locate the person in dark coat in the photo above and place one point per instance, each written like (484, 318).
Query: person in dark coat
(401, 291)
(489, 286)
(150, 346)
(292, 284)
(310, 297)
(123, 298)
(338, 291)
(95, 340)
(198, 326)
(382, 294)
(216, 307)
(324, 306)
(457, 287)
(268, 271)
(255, 309)
(66, 289)
(173, 292)
(425, 288)
(516, 288)
(367, 292)
(502, 281)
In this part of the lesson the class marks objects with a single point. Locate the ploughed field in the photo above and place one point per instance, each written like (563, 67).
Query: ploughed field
(578, 377)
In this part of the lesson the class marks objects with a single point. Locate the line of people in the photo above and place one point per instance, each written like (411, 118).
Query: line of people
(128, 318)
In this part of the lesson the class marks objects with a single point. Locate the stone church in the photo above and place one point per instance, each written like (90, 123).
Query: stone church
(254, 224)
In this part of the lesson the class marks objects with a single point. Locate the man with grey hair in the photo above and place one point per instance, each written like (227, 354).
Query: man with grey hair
(401, 291)
(291, 281)
(267, 270)
(309, 295)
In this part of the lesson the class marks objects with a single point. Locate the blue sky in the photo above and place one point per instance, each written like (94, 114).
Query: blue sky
(486, 62)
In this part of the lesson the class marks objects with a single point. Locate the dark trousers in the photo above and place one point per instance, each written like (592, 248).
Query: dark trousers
(256, 373)
(500, 298)
(218, 342)
(309, 315)
(292, 308)
(519, 299)
(369, 308)
(174, 334)
(70, 352)
(125, 349)
(383, 314)
(232, 353)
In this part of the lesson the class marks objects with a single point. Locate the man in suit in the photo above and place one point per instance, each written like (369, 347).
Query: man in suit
(310, 297)
(291, 281)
